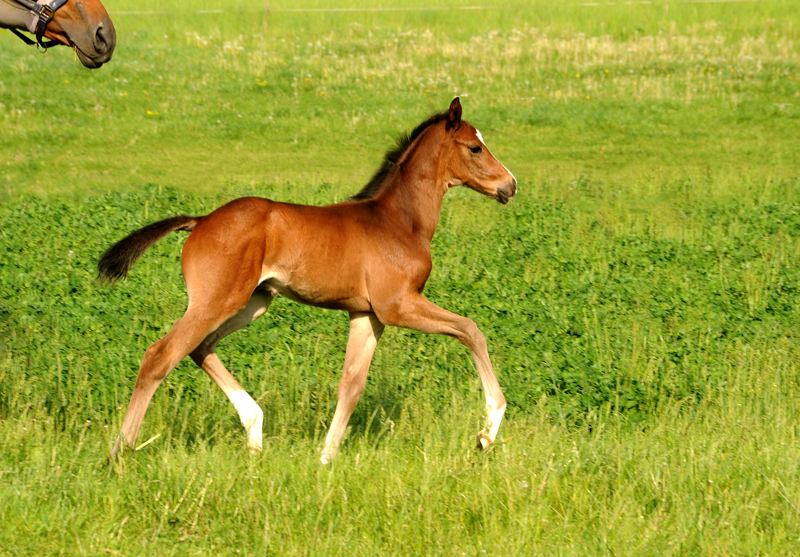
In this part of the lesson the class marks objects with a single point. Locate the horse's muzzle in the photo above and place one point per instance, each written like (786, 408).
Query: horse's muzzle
(96, 49)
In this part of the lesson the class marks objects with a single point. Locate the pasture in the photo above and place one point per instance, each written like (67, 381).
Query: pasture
(640, 296)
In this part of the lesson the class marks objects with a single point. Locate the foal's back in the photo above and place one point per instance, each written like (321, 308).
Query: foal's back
(321, 256)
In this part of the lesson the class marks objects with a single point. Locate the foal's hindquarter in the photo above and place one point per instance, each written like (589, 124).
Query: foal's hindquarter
(370, 258)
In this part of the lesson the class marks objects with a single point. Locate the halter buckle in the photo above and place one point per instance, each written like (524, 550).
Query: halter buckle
(45, 13)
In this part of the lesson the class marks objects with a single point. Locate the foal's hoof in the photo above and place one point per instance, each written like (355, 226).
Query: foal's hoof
(483, 441)
(254, 445)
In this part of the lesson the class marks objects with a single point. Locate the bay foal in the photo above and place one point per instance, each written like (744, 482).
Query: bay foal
(370, 257)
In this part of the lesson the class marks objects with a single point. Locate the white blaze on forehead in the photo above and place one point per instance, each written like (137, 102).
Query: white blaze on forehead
(480, 136)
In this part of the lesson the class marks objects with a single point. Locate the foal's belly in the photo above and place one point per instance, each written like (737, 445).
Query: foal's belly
(328, 295)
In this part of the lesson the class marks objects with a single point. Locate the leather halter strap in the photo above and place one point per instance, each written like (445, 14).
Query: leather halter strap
(44, 14)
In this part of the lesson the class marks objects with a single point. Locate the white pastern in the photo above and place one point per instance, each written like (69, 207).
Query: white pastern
(251, 416)
(330, 450)
(494, 416)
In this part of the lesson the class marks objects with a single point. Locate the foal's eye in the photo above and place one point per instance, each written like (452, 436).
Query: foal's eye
(476, 150)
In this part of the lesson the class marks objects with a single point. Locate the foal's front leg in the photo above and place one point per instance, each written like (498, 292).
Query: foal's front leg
(415, 312)
(365, 331)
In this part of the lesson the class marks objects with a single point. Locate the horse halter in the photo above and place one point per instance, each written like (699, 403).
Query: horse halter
(42, 15)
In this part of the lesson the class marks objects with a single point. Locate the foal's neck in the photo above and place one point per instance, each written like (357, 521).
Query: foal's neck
(418, 186)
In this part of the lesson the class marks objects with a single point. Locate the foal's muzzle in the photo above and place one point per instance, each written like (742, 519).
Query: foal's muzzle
(505, 193)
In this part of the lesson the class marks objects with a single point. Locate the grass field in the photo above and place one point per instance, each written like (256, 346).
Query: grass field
(640, 296)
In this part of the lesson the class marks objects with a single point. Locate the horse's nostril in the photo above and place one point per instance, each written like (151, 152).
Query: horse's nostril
(100, 39)
(105, 39)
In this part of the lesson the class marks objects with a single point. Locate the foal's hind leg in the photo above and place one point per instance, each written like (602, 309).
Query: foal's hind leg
(204, 356)
(159, 360)
(365, 331)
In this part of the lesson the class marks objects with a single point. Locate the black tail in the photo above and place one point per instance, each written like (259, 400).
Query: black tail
(117, 260)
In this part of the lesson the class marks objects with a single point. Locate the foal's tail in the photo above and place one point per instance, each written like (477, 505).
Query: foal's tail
(117, 260)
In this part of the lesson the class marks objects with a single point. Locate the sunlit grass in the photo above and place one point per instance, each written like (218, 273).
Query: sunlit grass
(639, 297)
(202, 101)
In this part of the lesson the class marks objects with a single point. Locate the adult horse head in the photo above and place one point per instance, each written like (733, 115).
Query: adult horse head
(83, 25)
(370, 257)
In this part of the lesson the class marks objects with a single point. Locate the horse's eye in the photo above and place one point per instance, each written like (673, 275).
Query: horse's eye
(476, 150)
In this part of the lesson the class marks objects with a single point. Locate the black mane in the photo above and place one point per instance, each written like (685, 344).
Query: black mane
(392, 156)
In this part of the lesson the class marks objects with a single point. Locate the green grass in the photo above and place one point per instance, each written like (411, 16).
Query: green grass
(639, 297)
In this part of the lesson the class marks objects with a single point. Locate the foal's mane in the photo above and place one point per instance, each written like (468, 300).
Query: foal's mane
(392, 156)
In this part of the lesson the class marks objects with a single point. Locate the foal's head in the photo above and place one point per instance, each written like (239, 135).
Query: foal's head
(469, 161)
(462, 156)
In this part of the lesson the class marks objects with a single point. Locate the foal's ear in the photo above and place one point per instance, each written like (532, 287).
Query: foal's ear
(454, 114)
